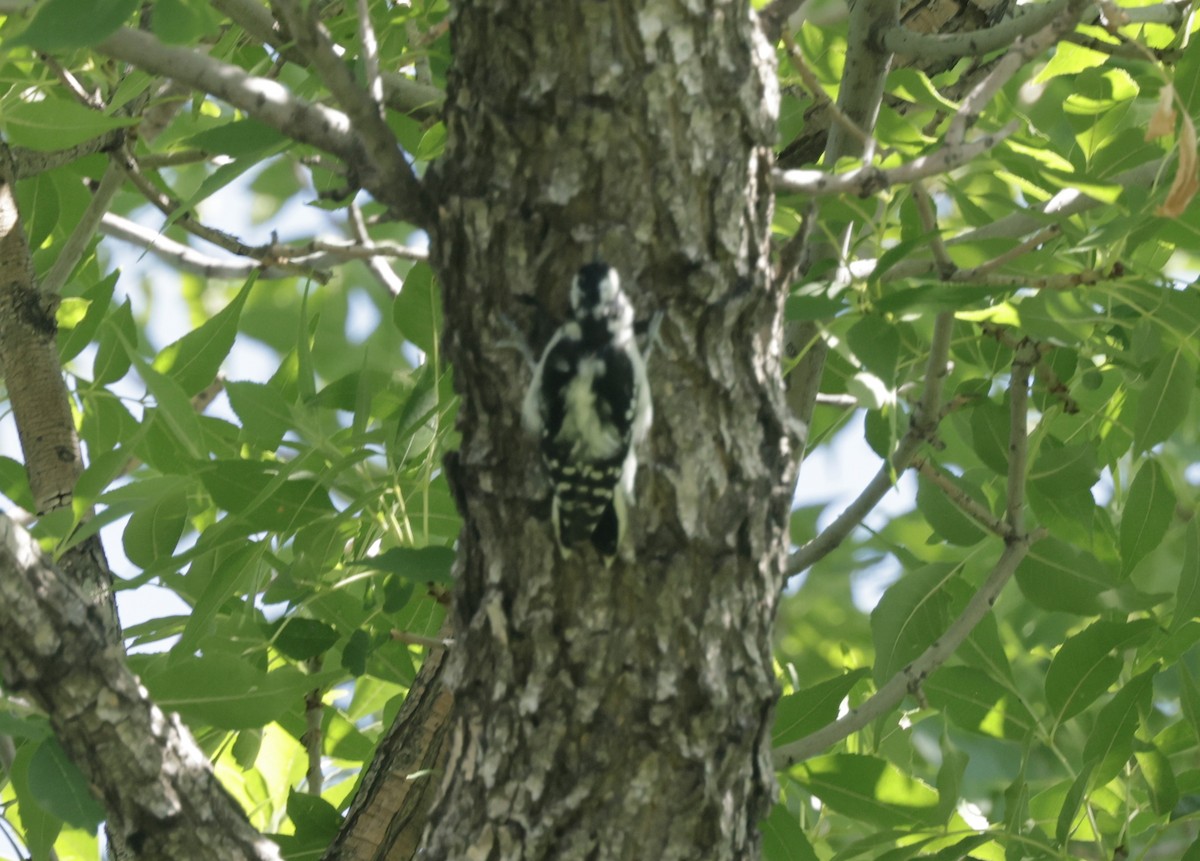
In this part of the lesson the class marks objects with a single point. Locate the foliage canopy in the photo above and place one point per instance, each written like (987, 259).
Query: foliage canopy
(1007, 296)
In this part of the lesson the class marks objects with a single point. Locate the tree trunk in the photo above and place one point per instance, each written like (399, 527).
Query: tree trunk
(624, 712)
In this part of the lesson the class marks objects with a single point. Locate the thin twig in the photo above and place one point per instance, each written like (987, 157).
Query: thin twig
(391, 181)
(90, 100)
(379, 268)
(188, 259)
(1026, 356)
(314, 714)
(81, 237)
(1017, 251)
(928, 218)
(155, 160)
(420, 640)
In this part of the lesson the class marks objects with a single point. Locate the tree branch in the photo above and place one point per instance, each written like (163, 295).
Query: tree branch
(896, 688)
(859, 99)
(189, 259)
(1022, 51)
(155, 782)
(383, 153)
(273, 104)
(869, 179)
(1016, 545)
(947, 46)
(400, 93)
(924, 422)
(81, 237)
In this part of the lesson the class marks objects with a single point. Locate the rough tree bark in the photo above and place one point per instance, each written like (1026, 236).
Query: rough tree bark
(620, 713)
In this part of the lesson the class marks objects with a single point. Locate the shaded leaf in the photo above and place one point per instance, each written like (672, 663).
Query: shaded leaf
(1056, 576)
(61, 25)
(809, 709)
(1163, 402)
(1149, 509)
(1084, 668)
(909, 617)
(868, 789)
(783, 839)
(1110, 743)
(60, 789)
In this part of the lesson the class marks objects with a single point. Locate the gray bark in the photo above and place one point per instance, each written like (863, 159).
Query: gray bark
(620, 713)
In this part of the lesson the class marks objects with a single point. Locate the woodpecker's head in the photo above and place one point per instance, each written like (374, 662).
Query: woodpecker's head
(597, 297)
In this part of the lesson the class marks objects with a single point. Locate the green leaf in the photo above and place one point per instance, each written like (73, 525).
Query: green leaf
(1056, 576)
(153, 532)
(946, 518)
(246, 748)
(975, 701)
(62, 25)
(949, 777)
(876, 344)
(782, 837)
(223, 691)
(909, 617)
(238, 138)
(182, 21)
(75, 331)
(868, 789)
(264, 495)
(1187, 592)
(809, 709)
(37, 199)
(112, 359)
(417, 311)
(302, 639)
(195, 359)
(1110, 744)
(989, 434)
(1159, 777)
(1189, 700)
(1149, 509)
(39, 827)
(1069, 812)
(1070, 516)
(265, 413)
(1163, 402)
(421, 565)
(313, 816)
(51, 123)
(1060, 470)
(14, 483)
(354, 656)
(213, 578)
(1070, 59)
(1084, 668)
(60, 789)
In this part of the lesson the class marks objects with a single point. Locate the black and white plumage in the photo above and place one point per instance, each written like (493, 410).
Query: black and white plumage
(589, 402)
